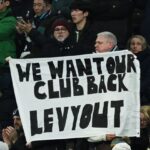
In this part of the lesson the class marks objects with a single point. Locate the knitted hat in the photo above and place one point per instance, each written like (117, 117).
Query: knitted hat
(3, 146)
(122, 146)
(61, 22)
(81, 5)
(16, 113)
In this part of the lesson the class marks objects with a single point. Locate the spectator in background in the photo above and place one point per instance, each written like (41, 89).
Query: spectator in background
(138, 45)
(84, 30)
(105, 42)
(14, 136)
(42, 19)
(59, 42)
(43, 11)
(7, 32)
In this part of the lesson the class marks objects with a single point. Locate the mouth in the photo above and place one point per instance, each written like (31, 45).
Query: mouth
(96, 49)
(73, 18)
(60, 36)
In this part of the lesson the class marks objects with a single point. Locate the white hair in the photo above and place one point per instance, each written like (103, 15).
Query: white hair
(122, 146)
(108, 35)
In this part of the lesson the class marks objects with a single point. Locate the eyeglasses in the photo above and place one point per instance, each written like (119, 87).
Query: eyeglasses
(60, 29)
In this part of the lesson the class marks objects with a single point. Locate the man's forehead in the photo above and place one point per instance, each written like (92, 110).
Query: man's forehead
(39, 1)
(100, 38)
(16, 117)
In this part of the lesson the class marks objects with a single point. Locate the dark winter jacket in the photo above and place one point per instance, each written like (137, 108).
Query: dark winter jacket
(144, 59)
(7, 35)
(85, 39)
(20, 144)
(50, 47)
(142, 142)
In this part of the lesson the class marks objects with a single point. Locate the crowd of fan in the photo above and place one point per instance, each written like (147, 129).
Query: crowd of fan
(54, 28)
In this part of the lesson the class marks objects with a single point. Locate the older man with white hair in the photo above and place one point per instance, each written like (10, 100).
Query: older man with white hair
(105, 42)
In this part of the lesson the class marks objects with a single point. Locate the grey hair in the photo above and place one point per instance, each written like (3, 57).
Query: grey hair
(110, 36)
(142, 39)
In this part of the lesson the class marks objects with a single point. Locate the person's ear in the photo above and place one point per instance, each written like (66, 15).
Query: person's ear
(111, 46)
(86, 13)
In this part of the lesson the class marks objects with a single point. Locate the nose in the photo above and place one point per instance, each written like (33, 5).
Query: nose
(15, 122)
(36, 7)
(95, 45)
(134, 46)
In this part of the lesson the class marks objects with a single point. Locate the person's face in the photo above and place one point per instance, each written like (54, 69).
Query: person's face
(102, 45)
(39, 6)
(143, 120)
(3, 5)
(78, 16)
(61, 33)
(136, 45)
(17, 122)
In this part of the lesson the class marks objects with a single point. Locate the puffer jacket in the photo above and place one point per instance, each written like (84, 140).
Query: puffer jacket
(7, 35)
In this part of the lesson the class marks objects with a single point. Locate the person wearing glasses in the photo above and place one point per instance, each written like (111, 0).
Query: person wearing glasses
(58, 40)
(61, 42)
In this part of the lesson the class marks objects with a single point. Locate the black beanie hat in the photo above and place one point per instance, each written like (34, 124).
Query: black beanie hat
(16, 113)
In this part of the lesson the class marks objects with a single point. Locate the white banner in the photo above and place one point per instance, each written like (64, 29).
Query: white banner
(78, 96)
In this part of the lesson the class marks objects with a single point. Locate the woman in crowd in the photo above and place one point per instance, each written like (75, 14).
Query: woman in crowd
(138, 45)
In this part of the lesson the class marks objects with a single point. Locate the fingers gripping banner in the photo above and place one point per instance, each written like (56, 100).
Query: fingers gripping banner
(78, 96)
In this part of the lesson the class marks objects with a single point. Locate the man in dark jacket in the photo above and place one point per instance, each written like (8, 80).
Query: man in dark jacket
(40, 21)
(84, 29)
(14, 136)
(58, 41)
